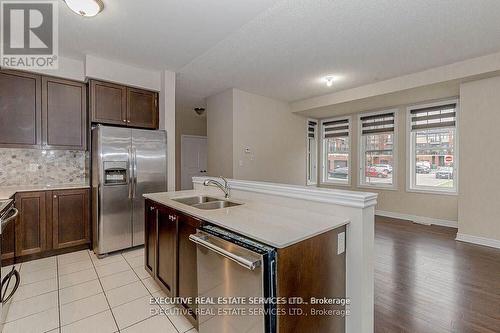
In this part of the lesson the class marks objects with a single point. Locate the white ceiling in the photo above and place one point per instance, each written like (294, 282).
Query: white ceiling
(281, 48)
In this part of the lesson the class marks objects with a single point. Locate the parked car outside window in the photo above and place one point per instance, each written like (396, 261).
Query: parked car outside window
(444, 173)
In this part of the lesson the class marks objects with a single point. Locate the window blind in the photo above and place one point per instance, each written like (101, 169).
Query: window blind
(336, 128)
(434, 117)
(311, 129)
(377, 123)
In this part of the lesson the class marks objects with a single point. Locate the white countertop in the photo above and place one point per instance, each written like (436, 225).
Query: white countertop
(275, 225)
(8, 191)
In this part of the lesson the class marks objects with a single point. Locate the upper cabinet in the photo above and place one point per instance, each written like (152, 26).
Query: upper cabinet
(42, 112)
(64, 114)
(20, 109)
(108, 103)
(120, 105)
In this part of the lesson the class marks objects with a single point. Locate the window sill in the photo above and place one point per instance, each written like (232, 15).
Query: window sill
(336, 184)
(381, 188)
(428, 191)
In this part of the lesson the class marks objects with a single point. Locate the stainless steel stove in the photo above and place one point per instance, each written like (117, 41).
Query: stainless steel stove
(9, 278)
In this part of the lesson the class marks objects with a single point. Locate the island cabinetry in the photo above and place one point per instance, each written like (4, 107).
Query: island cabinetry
(313, 268)
(170, 257)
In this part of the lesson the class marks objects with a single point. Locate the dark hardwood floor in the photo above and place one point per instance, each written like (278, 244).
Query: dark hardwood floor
(427, 282)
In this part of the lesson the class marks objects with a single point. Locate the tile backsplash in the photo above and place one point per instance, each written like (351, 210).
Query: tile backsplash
(42, 167)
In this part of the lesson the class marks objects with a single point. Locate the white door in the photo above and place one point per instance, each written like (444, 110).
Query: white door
(193, 159)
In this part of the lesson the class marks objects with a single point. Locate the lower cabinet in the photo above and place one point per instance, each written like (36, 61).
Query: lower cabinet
(70, 218)
(187, 285)
(48, 221)
(31, 224)
(166, 254)
(170, 257)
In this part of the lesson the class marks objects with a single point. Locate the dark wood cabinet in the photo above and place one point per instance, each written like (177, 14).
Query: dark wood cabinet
(42, 112)
(142, 108)
(150, 218)
(70, 218)
(116, 104)
(108, 103)
(64, 114)
(187, 278)
(31, 224)
(166, 251)
(49, 222)
(20, 109)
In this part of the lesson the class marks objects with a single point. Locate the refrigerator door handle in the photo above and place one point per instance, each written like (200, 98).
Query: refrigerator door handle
(130, 173)
(134, 169)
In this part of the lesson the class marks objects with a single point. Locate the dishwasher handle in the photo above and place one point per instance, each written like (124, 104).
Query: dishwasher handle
(204, 240)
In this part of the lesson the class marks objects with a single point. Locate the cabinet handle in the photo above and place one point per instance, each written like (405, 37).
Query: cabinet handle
(151, 208)
(55, 196)
(124, 120)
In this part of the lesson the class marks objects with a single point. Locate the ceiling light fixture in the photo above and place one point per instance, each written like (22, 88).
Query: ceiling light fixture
(329, 80)
(86, 8)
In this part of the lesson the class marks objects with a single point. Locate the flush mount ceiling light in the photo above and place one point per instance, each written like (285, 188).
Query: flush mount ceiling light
(86, 8)
(329, 79)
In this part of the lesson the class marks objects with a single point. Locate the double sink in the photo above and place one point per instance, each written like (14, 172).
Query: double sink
(205, 202)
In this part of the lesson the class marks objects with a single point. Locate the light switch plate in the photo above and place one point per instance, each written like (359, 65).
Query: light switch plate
(341, 243)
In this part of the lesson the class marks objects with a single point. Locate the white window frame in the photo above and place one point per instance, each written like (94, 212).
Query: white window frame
(324, 179)
(362, 155)
(410, 147)
(314, 179)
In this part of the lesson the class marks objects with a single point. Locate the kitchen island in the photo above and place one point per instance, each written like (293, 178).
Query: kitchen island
(305, 227)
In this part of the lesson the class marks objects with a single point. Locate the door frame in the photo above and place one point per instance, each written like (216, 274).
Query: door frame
(184, 136)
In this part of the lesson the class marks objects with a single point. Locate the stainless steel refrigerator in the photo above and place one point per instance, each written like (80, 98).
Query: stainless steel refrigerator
(125, 164)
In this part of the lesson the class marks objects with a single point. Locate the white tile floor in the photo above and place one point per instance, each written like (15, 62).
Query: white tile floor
(77, 292)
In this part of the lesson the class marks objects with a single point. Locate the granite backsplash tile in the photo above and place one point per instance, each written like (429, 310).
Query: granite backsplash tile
(43, 167)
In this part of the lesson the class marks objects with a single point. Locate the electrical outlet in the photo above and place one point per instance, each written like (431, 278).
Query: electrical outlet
(341, 243)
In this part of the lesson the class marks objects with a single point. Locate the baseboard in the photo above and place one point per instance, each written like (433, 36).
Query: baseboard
(478, 240)
(418, 219)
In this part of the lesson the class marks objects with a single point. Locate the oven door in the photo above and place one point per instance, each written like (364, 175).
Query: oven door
(9, 276)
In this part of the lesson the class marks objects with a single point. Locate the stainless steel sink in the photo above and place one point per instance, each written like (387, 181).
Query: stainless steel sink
(190, 201)
(216, 205)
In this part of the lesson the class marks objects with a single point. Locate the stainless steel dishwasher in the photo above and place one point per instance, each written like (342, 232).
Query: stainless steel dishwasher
(234, 272)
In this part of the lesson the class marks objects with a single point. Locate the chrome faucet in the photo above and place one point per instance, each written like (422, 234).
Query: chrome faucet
(225, 188)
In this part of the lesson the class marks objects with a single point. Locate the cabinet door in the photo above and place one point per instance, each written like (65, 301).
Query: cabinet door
(187, 272)
(150, 219)
(64, 114)
(70, 218)
(108, 103)
(166, 252)
(142, 108)
(30, 226)
(20, 113)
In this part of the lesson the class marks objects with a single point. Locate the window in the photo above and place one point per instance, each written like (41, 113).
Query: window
(433, 147)
(312, 147)
(335, 134)
(377, 146)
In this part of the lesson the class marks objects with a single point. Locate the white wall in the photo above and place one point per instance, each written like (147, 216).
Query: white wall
(237, 120)
(109, 70)
(478, 203)
(69, 68)
(220, 134)
(274, 136)
(167, 122)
